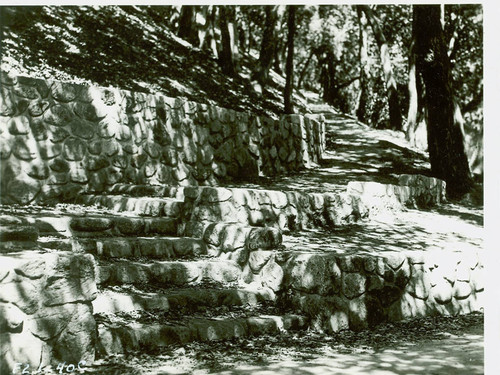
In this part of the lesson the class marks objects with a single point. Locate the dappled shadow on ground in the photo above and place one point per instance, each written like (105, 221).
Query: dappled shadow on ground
(440, 345)
(407, 231)
(354, 152)
(126, 47)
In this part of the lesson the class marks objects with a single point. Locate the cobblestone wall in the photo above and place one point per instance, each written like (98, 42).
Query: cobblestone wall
(359, 291)
(45, 310)
(58, 140)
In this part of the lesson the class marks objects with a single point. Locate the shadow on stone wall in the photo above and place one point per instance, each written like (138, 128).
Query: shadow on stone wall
(61, 140)
(46, 313)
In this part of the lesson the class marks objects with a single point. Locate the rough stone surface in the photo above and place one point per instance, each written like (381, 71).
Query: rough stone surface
(90, 121)
(44, 297)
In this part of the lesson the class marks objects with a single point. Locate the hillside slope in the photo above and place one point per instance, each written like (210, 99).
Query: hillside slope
(126, 47)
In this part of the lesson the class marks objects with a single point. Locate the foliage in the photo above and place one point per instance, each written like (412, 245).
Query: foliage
(138, 48)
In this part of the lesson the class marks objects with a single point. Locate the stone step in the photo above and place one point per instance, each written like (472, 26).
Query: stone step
(129, 247)
(296, 210)
(142, 206)
(126, 336)
(123, 300)
(168, 273)
(132, 190)
(105, 225)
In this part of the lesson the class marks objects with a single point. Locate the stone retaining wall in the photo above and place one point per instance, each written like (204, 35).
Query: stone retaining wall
(292, 210)
(58, 140)
(358, 291)
(45, 309)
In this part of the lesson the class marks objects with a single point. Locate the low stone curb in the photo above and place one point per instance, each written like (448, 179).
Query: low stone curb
(123, 338)
(192, 300)
(130, 247)
(142, 206)
(168, 273)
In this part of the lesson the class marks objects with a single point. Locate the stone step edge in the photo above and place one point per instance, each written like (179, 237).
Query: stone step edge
(142, 206)
(168, 273)
(167, 247)
(118, 338)
(111, 302)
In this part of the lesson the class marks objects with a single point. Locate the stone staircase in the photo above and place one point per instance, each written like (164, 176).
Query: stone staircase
(138, 266)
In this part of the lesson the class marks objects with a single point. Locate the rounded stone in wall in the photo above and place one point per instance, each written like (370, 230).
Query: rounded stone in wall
(78, 174)
(95, 147)
(24, 148)
(97, 182)
(74, 149)
(5, 149)
(120, 161)
(58, 179)
(58, 115)
(165, 175)
(130, 175)
(152, 149)
(442, 292)
(111, 147)
(82, 128)
(130, 148)
(38, 129)
(150, 168)
(25, 91)
(38, 171)
(160, 134)
(19, 125)
(96, 163)
(59, 165)
(63, 92)
(7, 104)
(23, 190)
(205, 155)
(107, 128)
(123, 133)
(181, 172)
(58, 135)
(139, 160)
(113, 176)
(85, 111)
(219, 169)
(38, 107)
(201, 172)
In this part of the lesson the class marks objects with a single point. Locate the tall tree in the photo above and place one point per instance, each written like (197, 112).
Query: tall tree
(390, 80)
(226, 53)
(444, 136)
(267, 46)
(364, 69)
(187, 24)
(289, 60)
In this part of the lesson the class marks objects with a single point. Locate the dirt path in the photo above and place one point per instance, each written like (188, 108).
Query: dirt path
(440, 345)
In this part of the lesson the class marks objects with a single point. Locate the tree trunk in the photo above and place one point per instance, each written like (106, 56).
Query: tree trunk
(413, 105)
(444, 136)
(289, 60)
(233, 35)
(390, 81)
(267, 46)
(364, 68)
(187, 29)
(304, 69)
(225, 53)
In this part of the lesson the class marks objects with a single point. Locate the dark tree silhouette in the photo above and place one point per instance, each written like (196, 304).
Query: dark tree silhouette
(289, 60)
(187, 24)
(226, 53)
(267, 46)
(444, 136)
